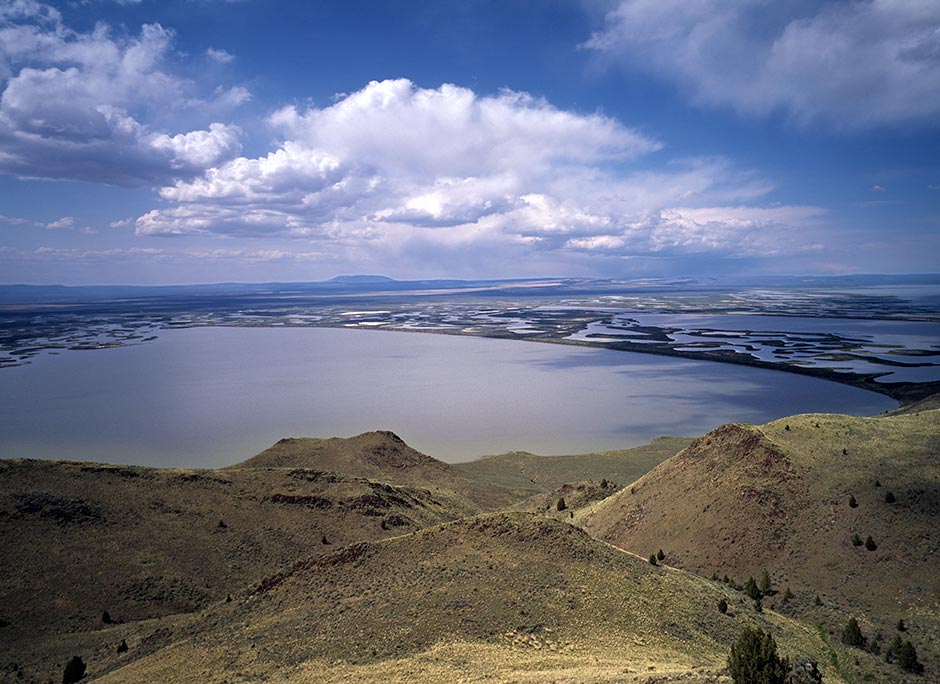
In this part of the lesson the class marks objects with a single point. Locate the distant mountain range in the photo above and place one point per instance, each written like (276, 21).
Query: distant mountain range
(353, 284)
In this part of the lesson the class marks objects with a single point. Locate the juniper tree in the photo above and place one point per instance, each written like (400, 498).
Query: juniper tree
(751, 589)
(907, 659)
(754, 659)
(852, 635)
(765, 583)
(74, 671)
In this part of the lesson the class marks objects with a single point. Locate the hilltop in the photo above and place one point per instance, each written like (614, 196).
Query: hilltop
(780, 497)
(384, 456)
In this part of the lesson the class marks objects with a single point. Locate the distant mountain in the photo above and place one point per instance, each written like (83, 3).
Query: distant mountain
(361, 279)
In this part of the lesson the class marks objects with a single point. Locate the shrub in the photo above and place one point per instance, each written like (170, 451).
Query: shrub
(561, 505)
(74, 671)
(907, 659)
(889, 498)
(722, 606)
(660, 555)
(852, 502)
(852, 635)
(754, 659)
(856, 540)
(870, 543)
(653, 559)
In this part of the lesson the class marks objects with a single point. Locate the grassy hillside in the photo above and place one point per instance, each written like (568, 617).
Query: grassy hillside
(494, 598)
(524, 471)
(743, 499)
(79, 539)
(223, 575)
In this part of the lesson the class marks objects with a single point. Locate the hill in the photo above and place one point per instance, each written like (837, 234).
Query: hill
(778, 497)
(520, 470)
(493, 598)
(79, 539)
(384, 456)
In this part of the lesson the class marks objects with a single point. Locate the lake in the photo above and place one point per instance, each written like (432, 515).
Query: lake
(209, 397)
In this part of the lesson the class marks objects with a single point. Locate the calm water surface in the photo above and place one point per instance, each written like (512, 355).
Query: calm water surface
(207, 397)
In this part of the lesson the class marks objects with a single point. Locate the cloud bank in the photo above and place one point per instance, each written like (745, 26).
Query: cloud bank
(77, 105)
(398, 169)
(852, 63)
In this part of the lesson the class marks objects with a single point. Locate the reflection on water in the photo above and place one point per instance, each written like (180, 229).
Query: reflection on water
(207, 397)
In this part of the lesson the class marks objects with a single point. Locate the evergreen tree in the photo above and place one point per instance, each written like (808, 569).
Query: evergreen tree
(561, 505)
(787, 595)
(907, 659)
(74, 671)
(660, 555)
(751, 589)
(889, 498)
(856, 540)
(817, 601)
(653, 559)
(852, 502)
(765, 583)
(892, 653)
(722, 606)
(870, 544)
(852, 635)
(754, 659)
(604, 483)
(901, 625)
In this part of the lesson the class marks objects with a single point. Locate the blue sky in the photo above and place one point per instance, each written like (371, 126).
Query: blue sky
(202, 140)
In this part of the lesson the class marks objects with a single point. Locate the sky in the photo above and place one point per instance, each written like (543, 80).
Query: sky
(192, 141)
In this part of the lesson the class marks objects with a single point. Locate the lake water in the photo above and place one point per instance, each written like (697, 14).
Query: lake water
(208, 397)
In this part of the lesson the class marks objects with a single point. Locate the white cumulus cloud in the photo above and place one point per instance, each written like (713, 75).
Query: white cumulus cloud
(399, 171)
(80, 105)
(853, 63)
